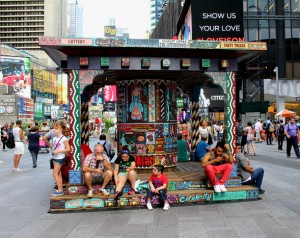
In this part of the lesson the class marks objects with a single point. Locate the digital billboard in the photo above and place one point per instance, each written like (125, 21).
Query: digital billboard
(218, 21)
(15, 72)
(209, 96)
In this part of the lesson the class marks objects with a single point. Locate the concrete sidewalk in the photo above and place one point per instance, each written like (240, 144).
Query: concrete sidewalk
(24, 204)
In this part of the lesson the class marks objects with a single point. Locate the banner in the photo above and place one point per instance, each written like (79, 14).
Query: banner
(110, 93)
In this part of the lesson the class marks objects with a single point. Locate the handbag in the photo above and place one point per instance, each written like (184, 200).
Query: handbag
(52, 159)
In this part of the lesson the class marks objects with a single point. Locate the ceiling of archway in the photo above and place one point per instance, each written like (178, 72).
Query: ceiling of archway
(181, 77)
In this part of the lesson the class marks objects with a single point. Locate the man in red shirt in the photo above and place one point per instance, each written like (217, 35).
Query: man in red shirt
(158, 184)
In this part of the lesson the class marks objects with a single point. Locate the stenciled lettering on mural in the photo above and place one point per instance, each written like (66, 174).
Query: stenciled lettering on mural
(184, 185)
(93, 203)
(195, 197)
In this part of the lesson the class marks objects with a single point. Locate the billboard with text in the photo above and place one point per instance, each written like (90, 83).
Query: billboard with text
(217, 20)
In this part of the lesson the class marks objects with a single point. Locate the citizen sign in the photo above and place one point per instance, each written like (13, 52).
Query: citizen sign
(217, 97)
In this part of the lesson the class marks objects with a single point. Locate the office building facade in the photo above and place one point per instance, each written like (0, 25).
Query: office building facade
(23, 22)
(75, 19)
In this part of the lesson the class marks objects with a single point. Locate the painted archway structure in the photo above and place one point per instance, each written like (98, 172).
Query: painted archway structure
(146, 73)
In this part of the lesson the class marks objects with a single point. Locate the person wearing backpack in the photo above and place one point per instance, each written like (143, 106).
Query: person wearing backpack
(269, 131)
(280, 133)
(106, 145)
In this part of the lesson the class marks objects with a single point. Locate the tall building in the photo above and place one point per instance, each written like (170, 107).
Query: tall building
(75, 19)
(156, 10)
(23, 22)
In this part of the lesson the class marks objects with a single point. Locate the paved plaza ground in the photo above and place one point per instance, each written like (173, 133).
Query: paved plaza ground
(24, 205)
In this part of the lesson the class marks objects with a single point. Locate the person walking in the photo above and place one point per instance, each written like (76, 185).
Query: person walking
(269, 131)
(4, 136)
(292, 132)
(280, 134)
(33, 144)
(250, 136)
(258, 129)
(239, 130)
(18, 134)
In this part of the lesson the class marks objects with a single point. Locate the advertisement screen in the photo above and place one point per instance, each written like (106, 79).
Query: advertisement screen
(15, 72)
(218, 21)
(209, 97)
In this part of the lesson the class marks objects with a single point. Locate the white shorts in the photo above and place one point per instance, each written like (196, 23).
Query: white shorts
(19, 148)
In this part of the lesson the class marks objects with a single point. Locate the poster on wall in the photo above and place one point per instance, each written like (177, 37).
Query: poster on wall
(15, 72)
(218, 21)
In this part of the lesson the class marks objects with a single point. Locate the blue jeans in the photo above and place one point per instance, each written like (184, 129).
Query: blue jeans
(34, 155)
(162, 194)
(257, 177)
(239, 138)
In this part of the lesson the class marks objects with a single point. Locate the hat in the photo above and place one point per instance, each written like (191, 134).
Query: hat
(296, 117)
(204, 136)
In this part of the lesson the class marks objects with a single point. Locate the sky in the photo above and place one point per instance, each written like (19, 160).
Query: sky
(131, 14)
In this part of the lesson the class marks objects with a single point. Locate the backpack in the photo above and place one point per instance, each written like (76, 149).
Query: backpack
(281, 130)
(264, 126)
(10, 142)
(240, 130)
(109, 154)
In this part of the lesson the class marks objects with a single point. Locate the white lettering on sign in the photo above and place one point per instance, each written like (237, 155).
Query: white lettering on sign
(223, 28)
(215, 15)
(217, 97)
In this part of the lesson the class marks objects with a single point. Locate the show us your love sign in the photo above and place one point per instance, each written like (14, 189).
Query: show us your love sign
(217, 20)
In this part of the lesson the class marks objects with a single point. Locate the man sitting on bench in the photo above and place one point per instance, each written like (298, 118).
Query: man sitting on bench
(97, 170)
(218, 162)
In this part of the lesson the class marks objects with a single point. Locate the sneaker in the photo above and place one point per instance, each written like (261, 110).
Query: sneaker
(90, 193)
(103, 191)
(222, 188)
(1, 162)
(17, 170)
(261, 191)
(57, 193)
(131, 191)
(288, 156)
(117, 195)
(149, 206)
(217, 188)
(166, 207)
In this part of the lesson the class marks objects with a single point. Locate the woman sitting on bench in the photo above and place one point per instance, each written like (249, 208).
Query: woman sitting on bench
(123, 171)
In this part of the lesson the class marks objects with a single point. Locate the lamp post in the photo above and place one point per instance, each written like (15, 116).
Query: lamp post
(277, 89)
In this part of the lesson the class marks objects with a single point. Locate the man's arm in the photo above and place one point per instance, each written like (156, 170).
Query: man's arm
(229, 157)
(107, 165)
(206, 160)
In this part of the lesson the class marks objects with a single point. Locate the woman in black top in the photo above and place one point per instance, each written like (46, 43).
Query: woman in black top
(33, 144)
(123, 171)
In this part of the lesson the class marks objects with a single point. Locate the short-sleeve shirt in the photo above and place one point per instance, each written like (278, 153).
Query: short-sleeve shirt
(158, 182)
(241, 164)
(58, 144)
(123, 165)
(91, 162)
(201, 149)
(291, 129)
